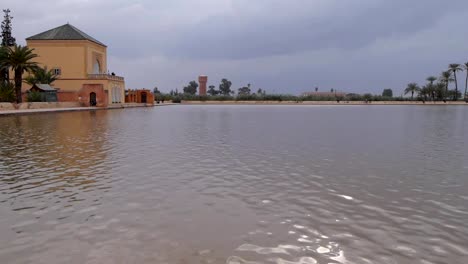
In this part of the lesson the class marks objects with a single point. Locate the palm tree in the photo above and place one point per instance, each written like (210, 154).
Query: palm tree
(3, 67)
(439, 89)
(465, 66)
(426, 91)
(431, 91)
(446, 78)
(431, 79)
(454, 67)
(42, 76)
(430, 87)
(19, 59)
(412, 88)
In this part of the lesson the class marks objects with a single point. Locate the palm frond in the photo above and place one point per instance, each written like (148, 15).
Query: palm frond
(22, 57)
(412, 88)
(41, 75)
(454, 67)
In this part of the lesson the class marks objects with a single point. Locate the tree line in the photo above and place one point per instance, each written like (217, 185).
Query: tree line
(437, 89)
(223, 92)
(224, 89)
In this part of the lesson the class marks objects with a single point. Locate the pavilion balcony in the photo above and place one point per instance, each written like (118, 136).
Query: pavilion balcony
(104, 76)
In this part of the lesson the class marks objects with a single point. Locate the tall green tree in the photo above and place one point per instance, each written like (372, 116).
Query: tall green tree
(20, 60)
(156, 90)
(225, 87)
(412, 88)
(424, 92)
(430, 87)
(244, 90)
(367, 97)
(7, 41)
(430, 91)
(440, 89)
(212, 90)
(465, 66)
(41, 75)
(431, 79)
(455, 67)
(387, 93)
(446, 78)
(4, 67)
(191, 88)
(7, 38)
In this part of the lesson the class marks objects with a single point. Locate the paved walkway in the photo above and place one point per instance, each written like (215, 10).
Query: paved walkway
(45, 110)
(70, 109)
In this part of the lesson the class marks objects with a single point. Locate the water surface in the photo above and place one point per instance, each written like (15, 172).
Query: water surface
(236, 184)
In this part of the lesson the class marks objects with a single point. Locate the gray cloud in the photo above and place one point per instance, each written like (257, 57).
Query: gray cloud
(281, 46)
(263, 33)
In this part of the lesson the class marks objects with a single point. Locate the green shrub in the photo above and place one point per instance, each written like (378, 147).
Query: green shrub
(279, 97)
(318, 98)
(34, 97)
(176, 100)
(7, 92)
(221, 98)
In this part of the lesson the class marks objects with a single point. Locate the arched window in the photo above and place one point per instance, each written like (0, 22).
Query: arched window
(97, 67)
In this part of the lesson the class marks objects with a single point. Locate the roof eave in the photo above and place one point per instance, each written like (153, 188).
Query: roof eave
(100, 44)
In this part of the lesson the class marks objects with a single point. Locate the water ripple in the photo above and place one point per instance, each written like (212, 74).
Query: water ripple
(243, 184)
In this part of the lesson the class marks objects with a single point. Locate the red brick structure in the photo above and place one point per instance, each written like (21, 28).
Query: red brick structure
(67, 96)
(93, 95)
(88, 95)
(202, 80)
(142, 96)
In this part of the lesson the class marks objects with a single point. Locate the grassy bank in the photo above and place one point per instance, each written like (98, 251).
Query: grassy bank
(277, 98)
(238, 102)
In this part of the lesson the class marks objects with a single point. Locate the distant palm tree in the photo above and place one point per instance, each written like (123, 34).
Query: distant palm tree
(431, 79)
(20, 60)
(430, 87)
(454, 67)
(446, 78)
(431, 90)
(412, 88)
(465, 66)
(424, 92)
(42, 76)
(439, 90)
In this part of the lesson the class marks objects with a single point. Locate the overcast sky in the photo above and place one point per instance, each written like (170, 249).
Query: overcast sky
(283, 46)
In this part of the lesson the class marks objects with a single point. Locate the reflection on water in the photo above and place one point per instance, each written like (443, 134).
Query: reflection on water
(236, 184)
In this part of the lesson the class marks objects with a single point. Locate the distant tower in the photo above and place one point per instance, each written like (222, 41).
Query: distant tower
(202, 80)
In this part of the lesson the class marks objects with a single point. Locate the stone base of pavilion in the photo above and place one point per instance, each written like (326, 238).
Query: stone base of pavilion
(33, 108)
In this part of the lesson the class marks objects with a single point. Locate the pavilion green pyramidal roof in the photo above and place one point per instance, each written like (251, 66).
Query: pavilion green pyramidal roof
(65, 32)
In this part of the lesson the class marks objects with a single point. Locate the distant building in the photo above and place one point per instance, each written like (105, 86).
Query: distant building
(140, 96)
(80, 61)
(202, 80)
